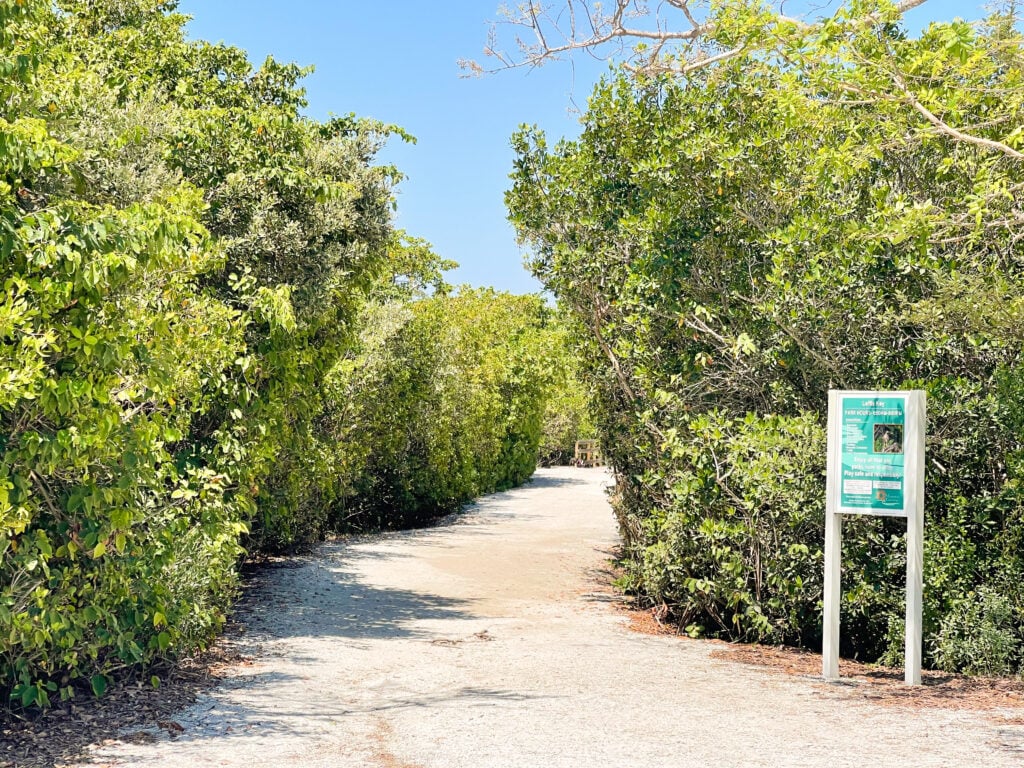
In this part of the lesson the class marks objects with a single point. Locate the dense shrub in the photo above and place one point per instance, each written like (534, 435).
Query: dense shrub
(183, 256)
(114, 550)
(734, 244)
(444, 403)
(567, 413)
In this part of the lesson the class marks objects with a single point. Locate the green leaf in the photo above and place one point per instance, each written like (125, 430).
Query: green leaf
(29, 695)
(99, 685)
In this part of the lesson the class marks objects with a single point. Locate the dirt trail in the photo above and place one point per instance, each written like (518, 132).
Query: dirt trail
(490, 643)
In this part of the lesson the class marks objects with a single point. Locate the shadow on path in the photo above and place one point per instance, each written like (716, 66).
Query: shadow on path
(330, 600)
(320, 595)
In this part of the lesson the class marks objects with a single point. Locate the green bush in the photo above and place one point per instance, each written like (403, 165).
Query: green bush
(182, 254)
(728, 544)
(113, 551)
(980, 635)
(444, 403)
(567, 414)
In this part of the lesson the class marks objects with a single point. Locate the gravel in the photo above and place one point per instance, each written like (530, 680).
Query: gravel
(494, 641)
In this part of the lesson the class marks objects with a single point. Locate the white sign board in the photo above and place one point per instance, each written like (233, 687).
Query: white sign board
(875, 467)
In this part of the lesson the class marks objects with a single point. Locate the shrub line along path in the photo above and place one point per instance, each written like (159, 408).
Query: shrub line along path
(493, 641)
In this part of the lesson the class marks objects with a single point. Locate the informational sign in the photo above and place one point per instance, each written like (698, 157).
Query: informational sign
(872, 455)
(875, 467)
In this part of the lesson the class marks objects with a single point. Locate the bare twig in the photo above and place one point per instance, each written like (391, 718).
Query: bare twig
(652, 27)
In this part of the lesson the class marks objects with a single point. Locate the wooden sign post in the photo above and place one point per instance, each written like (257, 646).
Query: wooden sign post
(875, 467)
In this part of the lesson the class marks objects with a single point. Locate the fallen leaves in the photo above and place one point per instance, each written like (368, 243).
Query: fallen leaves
(874, 683)
(130, 711)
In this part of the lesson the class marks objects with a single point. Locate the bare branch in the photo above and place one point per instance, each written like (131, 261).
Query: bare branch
(906, 5)
(675, 30)
(684, 6)
(675, 37)
(700, 63)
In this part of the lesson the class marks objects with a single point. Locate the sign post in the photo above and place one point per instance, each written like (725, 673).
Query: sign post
(875, 467)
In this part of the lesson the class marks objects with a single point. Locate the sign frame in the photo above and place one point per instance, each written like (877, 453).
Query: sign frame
(848, 411)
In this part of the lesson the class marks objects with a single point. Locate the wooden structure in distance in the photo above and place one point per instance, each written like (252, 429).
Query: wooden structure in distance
(587, 454)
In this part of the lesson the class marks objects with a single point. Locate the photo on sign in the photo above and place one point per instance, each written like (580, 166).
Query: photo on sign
(888, 438)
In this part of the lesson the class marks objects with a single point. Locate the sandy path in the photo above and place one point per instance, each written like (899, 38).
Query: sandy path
(488, 643)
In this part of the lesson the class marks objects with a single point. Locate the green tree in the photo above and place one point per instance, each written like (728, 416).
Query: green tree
(782, 221)
(184, 258)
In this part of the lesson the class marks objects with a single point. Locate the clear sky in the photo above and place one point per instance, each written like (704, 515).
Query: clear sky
(396, 61)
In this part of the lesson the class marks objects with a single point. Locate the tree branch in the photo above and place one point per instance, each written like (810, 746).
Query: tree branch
(543, 25)
(949, 130)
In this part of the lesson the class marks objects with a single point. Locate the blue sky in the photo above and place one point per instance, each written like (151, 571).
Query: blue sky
(396, 61)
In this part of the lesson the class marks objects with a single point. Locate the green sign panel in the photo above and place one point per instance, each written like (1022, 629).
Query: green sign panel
(872, 454)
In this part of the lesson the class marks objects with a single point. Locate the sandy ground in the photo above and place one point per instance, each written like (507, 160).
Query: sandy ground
(491, 642)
